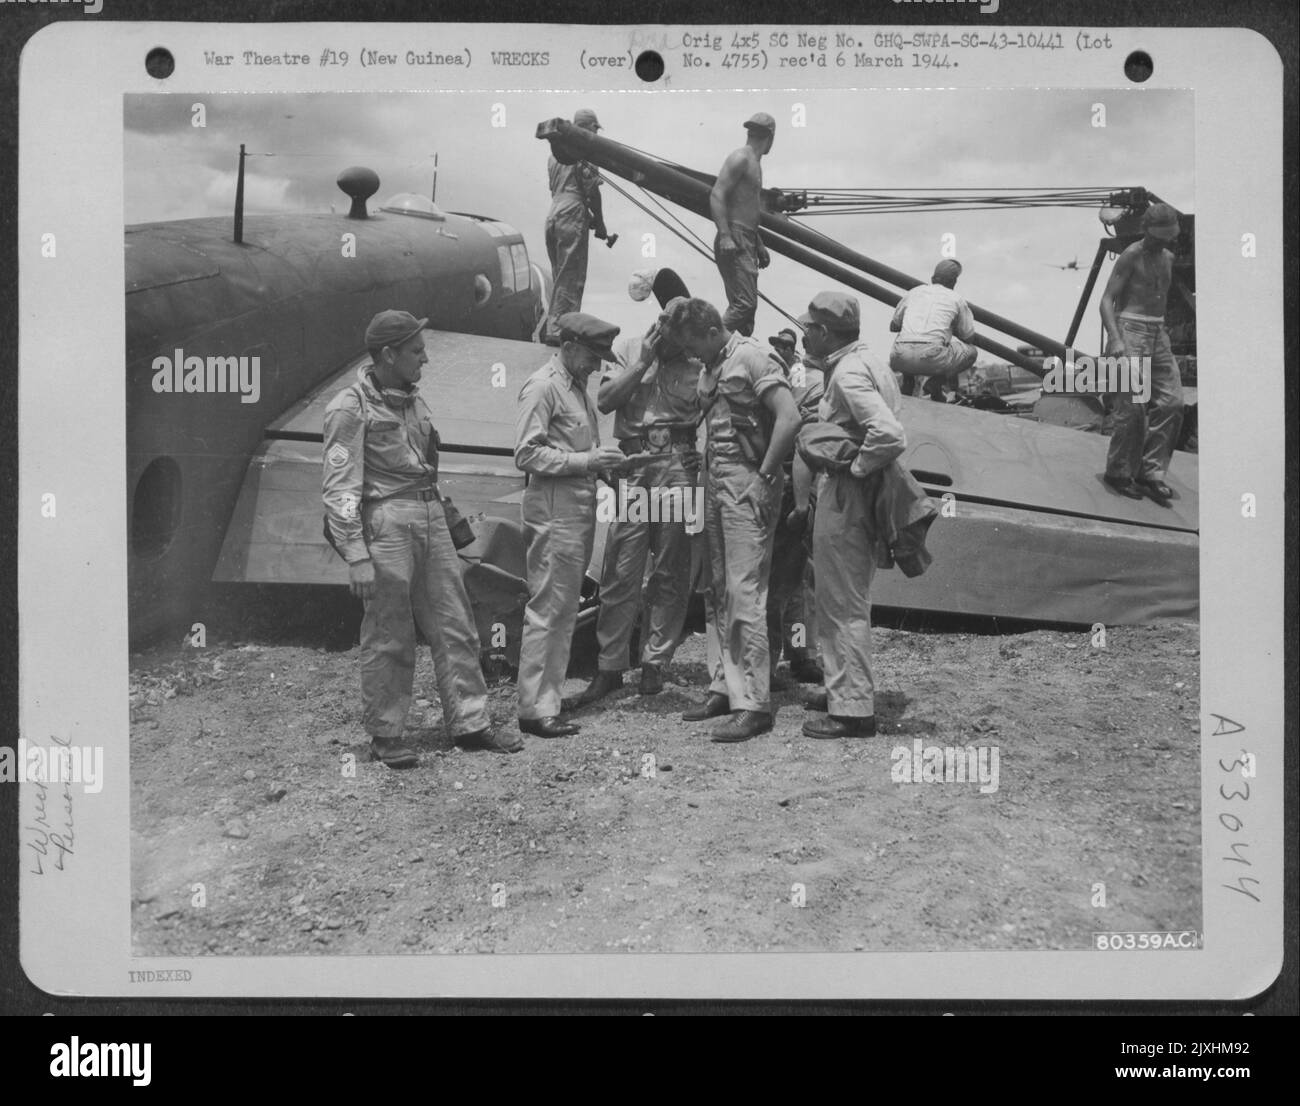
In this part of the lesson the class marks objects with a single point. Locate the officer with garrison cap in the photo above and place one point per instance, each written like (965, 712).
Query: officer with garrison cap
(557, 444)
(575, 212)
(862, 397)
(734, 205)
(386, 518)
(752, 422)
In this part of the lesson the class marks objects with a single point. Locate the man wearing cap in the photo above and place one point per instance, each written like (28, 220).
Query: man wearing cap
(734, 206)
(575, 210)
(784, 342)
(862, 397)
(653, 389)
(791, 619)
(558, 445)
(1144, 434)
(934, 327)
(385, 517)
(752, 422)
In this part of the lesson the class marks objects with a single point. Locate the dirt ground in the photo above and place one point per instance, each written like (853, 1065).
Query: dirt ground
(250, 776)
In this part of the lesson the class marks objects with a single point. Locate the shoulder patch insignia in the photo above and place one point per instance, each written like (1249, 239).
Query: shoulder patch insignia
(338, 456)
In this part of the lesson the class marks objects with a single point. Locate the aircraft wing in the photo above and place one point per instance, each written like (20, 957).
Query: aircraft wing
(471, 383)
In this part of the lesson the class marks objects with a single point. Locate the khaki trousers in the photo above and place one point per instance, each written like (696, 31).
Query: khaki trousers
(417, 582)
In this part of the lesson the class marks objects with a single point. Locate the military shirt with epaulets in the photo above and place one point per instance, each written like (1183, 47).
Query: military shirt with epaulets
(555, 426)
(733, 389)
(377, 442)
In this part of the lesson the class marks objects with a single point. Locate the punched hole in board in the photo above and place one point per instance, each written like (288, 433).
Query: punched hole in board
(159, 63)
(1138, 66)
(649, 65)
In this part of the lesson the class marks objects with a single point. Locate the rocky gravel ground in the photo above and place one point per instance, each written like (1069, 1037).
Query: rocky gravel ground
(251, 781)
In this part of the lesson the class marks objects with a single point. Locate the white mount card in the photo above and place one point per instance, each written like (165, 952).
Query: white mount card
(1027, 235)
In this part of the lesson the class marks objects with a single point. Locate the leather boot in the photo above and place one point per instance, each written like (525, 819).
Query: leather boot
(604, 684)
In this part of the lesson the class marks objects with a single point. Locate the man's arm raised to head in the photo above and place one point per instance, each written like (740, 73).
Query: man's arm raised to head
(1115, 286)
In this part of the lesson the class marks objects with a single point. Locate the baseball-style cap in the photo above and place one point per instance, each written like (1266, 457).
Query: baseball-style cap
(392, 328)
(585, 117)
(587, 330)
(761, 122)
(947, 269)
(1161, 221)
(784, 337)
(833, 310)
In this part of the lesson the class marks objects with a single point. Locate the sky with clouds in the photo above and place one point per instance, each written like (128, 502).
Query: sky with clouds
(873, 139)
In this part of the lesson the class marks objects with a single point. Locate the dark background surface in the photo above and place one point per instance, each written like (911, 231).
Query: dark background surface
(1277, 21)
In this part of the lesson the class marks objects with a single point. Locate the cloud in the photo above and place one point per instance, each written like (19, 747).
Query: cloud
(865, 139)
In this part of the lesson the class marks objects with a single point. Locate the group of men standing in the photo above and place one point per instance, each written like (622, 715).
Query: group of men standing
(694, 364)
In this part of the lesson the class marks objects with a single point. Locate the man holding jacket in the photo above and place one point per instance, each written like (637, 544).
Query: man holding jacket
(862, 398)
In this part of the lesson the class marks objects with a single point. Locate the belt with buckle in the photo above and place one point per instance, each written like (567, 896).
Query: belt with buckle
(423, 495)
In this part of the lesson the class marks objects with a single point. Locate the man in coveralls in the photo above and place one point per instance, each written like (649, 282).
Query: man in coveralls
(1133, 313)
(653, 382)
(386, 519)
(862, 397)
(557, 444)
(752, 423)
(734, 205)
(575, 210)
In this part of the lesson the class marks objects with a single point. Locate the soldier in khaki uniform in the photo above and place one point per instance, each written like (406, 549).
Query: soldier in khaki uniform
(791, 618)
(386, 518)
(861, 396)
(652, 384)
(558, 445)
(752, 422)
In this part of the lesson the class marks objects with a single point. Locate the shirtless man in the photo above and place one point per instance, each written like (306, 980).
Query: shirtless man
(1133, 313)
(734, 205)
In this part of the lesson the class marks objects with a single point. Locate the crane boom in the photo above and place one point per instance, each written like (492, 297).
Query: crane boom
(690, 189)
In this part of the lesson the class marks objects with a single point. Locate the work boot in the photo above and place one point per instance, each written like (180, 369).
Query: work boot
(491, 742)
(804, 669)
(834, 725)
(604, 684)
(1156, 491)
(391, 752)
(555, 726)
(715, 706)
(652, 679)
(743, 725)
(1124, 486)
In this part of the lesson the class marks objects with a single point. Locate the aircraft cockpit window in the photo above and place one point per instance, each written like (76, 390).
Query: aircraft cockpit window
(507, 269)
(519, 256)
(409, 203)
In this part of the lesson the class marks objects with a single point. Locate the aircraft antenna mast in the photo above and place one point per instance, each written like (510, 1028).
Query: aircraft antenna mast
(239, 198)
(433, 194)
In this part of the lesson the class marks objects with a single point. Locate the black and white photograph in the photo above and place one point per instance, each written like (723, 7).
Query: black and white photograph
(581, 513)
(706, 522)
